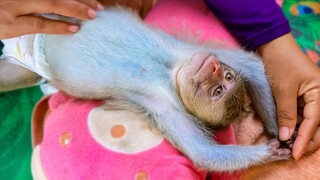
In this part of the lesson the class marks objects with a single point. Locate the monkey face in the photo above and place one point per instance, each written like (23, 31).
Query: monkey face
(210, 90)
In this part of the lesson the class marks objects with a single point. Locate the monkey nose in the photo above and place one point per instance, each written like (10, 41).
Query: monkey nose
(215, 63)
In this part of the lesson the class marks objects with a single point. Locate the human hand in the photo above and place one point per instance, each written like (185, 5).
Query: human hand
(18, 17)
(141, 6)
(295, 82)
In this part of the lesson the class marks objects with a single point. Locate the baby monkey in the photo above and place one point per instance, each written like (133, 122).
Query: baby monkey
(181, 86)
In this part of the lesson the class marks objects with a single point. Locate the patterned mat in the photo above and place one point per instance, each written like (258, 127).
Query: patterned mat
(304, 18)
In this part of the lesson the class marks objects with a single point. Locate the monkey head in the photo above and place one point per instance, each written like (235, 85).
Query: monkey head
(211, 91)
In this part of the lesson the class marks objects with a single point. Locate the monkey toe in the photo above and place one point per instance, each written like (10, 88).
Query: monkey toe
(274, 143)
(283, 152)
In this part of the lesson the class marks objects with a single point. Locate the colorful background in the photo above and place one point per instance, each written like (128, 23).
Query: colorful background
(16, 106)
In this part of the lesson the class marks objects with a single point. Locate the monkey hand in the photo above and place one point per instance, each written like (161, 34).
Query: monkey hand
(277, 151)
(19, 17)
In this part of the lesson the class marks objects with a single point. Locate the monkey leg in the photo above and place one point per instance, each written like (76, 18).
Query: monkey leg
(15, 77)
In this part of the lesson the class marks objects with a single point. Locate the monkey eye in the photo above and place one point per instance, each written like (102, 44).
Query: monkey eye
(217, 92)
(229, 76)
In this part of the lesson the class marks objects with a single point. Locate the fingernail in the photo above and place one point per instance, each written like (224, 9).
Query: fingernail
(100, 7)
(296, 155)
(284, 133)
(73, 28)
(92, 14)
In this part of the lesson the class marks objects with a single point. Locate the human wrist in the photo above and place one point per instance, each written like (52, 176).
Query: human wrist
(283, 47)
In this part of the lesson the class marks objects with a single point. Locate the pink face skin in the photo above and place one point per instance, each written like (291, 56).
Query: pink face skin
(203, 84)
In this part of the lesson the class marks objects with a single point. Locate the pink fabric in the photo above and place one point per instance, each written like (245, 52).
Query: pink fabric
(189, 17)
(279, 2)
(84, 158)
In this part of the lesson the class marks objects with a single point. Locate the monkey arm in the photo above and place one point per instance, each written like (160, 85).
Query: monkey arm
(187, 134)
(182, 132)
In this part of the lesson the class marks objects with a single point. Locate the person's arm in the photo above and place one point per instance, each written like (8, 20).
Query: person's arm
(252, 22)
(296, 85)
(262, 26)
(19, 17)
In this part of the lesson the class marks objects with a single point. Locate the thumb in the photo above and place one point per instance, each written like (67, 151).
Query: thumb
(287, 113)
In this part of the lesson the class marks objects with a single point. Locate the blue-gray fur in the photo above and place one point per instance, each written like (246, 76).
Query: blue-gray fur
(117, 55)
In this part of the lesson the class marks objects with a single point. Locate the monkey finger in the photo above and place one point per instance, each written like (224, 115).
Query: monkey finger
(35, 24)
(314, 144)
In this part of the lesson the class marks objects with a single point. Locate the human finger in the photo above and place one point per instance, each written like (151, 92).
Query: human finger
(62, 7)
(94, 4)
(36, 24)
(309, 125)
(314, 144)
(286, 101)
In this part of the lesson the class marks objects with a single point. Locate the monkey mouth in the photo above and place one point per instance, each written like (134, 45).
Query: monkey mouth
(198, 60)
(202, 63)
